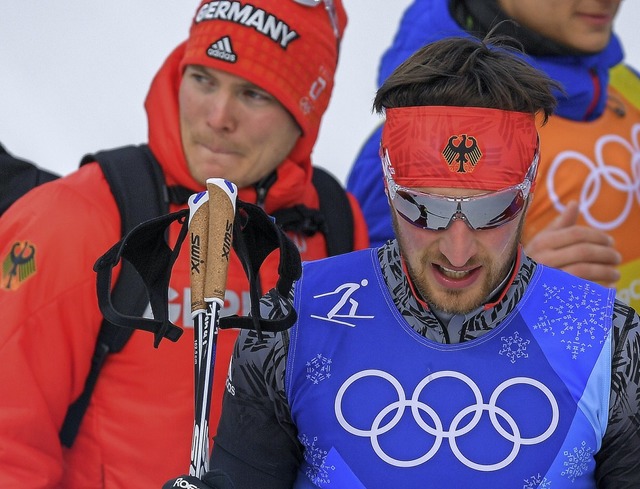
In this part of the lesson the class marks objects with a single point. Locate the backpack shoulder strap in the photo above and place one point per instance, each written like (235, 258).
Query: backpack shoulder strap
(17, 177)
(336, 209)
(139, 189)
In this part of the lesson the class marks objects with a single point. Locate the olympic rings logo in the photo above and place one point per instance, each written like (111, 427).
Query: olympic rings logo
(438, 430)
(601, 173)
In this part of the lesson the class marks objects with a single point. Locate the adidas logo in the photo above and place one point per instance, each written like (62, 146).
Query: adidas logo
(221, 49)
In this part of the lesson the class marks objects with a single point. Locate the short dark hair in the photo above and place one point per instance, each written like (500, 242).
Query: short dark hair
(468, 72)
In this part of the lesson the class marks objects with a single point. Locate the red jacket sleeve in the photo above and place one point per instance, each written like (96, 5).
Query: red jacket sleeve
(49, 240)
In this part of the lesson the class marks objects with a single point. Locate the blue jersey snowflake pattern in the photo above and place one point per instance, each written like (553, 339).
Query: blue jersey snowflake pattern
(577, 461)
(537, 482)
(317, 471)
(318, 369)
(573, 314)
(514, 346)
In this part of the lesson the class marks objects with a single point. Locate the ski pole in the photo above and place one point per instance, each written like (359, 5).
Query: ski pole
(210, 229)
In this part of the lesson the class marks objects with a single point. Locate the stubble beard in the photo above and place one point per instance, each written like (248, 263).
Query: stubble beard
(459, 301)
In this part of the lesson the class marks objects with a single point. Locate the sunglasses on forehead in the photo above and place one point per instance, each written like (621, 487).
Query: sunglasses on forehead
(329, 7)
(437, 212)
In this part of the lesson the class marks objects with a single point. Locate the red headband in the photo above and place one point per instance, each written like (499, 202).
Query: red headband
(470, 147)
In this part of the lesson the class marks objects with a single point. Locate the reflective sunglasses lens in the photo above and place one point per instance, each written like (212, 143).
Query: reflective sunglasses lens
(493, 210)
(425, 211)
(436, 213)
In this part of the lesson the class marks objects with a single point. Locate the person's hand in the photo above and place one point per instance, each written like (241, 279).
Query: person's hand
(214, 479)
(579, 250)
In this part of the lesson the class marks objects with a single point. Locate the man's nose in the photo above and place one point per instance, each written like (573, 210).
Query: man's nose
(458, 243)
(221, 114)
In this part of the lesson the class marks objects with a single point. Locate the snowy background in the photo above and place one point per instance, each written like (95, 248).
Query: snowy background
(75, 74)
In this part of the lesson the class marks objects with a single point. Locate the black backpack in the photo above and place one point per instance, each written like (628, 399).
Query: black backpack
(18, 176)
(141, 195)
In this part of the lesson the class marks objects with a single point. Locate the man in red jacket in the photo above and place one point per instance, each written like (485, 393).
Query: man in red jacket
(241, 99)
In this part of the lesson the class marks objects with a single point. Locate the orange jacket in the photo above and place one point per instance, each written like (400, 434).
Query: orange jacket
(597, 164)
(137, 430)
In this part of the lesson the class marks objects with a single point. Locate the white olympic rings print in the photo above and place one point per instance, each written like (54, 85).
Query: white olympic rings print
(614, 176)
(438, 430)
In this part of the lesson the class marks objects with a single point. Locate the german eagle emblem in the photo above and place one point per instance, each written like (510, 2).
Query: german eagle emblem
(462, 153)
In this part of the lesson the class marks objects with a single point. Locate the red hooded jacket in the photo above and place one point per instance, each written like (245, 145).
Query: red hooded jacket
(137, 430)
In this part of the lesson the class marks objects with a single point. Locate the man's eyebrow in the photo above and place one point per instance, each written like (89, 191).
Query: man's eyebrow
(200, 69)
(255, 87)
(243, 83)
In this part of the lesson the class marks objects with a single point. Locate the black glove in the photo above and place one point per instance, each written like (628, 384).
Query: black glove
(214, 479)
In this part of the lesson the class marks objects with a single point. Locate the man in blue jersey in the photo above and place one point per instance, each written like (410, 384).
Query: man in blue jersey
(447, 357)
